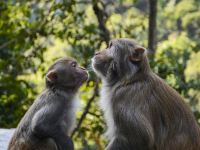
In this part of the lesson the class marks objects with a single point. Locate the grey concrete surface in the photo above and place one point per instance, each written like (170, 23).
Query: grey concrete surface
(5, 136)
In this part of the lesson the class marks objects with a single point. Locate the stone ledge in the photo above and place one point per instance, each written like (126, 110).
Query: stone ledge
(5, 136)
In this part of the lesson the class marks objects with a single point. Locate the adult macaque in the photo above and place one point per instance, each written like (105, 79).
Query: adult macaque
(142, 112)
(49, 121)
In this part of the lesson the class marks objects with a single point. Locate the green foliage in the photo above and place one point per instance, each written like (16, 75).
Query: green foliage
(35, 32)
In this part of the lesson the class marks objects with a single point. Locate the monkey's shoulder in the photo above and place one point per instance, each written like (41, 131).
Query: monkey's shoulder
(43, 100)
(150, 88)
(160, 89)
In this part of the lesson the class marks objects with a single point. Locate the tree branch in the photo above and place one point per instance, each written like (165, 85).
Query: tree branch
(105, 36)
(102, 18)
(6, 44)
(152, 26)
(84, 2)
(93, 114)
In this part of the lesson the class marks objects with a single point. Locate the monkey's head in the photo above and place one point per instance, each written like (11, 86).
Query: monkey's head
(66, 74)
(120, 61)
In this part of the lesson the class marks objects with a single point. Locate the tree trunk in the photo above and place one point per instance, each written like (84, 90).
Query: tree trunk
(152, 26)
(102, 18)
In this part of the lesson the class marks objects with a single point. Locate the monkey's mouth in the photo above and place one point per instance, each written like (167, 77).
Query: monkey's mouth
(98, 66)
(84, 77)
(94, 64)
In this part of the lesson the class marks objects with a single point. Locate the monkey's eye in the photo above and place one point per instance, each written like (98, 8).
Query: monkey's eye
(110, 45)
(74, 64)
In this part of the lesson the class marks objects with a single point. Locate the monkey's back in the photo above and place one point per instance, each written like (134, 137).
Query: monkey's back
(22, 138)
(177, 125)
(167, 119)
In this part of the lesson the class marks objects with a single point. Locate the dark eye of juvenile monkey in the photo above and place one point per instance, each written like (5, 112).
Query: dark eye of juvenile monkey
(110, 45)
(74, 64)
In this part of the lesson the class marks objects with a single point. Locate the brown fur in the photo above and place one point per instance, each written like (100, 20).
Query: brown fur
(48, 123)
(142, 112)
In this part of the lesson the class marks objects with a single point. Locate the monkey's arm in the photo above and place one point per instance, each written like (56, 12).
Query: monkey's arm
(46, 123)
(118, 143)
(135, 129)
(63, 141)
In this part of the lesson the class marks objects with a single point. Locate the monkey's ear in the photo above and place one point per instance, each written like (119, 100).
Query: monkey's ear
(137, 55)
(51, 76)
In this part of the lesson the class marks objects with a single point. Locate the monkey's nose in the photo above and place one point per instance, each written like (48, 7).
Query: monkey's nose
(97, 53)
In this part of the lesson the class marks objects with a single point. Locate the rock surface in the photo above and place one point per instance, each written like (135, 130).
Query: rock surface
(5, 136)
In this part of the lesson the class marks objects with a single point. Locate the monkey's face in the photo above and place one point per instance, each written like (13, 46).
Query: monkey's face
(66, 73)
(101, 61)
(121, 59)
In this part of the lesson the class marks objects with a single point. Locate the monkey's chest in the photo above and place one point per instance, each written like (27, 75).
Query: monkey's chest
(69, 120)
(67, 127)
(106, 106)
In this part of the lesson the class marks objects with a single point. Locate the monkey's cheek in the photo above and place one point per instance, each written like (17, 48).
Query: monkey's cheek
(97, 66)
(97, 59)
(85, 76)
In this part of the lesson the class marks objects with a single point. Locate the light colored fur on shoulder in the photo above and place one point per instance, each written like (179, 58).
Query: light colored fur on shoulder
(71, 110)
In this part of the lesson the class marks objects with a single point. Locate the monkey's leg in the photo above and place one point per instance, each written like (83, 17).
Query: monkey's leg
(63, 141)
(46, 144)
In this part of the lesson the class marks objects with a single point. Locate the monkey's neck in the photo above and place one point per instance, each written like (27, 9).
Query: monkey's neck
(61, 88)
(63, 92)
(130, 77)
(140, 76)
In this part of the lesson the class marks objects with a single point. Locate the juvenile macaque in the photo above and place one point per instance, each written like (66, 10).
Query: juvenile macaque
(49, 121)
(141, 111)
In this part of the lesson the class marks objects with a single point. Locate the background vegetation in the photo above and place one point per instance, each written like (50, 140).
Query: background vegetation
(33, 33)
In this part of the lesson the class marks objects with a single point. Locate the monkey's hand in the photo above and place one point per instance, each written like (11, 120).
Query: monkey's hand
(63, 142)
